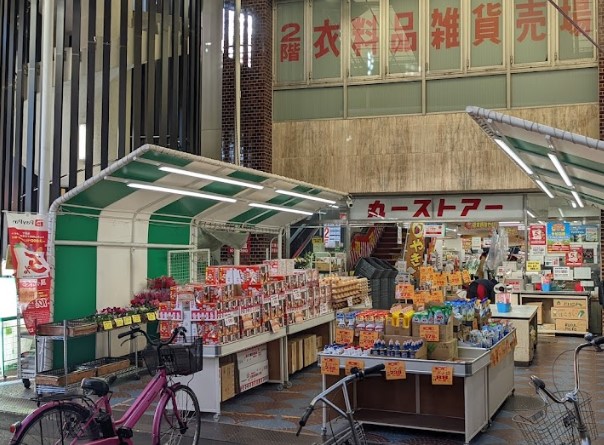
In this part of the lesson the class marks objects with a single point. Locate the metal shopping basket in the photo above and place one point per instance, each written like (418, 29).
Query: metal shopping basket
(345, 436)
(178, 358)
(556, 423)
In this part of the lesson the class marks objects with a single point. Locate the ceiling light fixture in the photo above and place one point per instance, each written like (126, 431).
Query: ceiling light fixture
(560, 169)
(578, 198)
(222, 179)
(302, 196)
(178, 191)
(573, 204)
(529, 213)
(543, 187)
(560, 212)
(512, 154)
(279, 209)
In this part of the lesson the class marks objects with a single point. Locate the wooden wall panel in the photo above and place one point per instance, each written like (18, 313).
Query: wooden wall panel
(408, 154)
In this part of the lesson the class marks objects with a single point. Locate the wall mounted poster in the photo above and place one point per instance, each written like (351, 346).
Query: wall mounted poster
(574, 257)
(537, 234)
(558, 237)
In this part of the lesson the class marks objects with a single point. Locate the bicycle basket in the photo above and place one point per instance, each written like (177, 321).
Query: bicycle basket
(344, 436)
(177, 358)
(556, 424)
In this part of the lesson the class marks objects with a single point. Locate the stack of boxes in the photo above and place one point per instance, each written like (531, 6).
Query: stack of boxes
(244, 370)
(302, 351)
(570, 315)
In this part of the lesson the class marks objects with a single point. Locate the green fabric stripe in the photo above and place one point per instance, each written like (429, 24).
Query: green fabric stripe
(187, 206)
(102, 194)
(268, 214)
(220, 188)
(165, 159)
(248, 215)
(245, 176)
(164, 233)
(140, 171)
(75, 282)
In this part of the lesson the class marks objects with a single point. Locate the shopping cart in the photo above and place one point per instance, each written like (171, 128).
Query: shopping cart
(566, 418)
(352, 433)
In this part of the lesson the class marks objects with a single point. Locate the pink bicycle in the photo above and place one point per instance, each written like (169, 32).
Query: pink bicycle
(77, 419)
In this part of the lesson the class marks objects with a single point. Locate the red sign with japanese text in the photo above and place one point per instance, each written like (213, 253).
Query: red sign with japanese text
(537, 235)
(574, 257)
(28, 239)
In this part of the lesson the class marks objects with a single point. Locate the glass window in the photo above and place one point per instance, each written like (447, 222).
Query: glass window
(385, 99)
(572, 44)
(444, 35)
(530, 31)
(326, 38)
(555, 87)
(457, 94)
(403, 37)
(308, 103)
(289, 45)
(486, 39)
(365, 38)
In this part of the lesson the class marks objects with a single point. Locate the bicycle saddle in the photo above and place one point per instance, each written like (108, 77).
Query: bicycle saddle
(97, 386)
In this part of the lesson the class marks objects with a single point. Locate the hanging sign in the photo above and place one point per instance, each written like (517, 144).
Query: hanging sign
(28, 240)
(432, 230)
(537, 235)
(415, 248)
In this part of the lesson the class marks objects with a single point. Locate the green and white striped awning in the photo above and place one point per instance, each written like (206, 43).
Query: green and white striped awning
(177, 186)
(540, 147)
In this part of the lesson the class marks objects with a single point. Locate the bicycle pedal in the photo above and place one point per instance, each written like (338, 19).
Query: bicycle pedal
(125, 433)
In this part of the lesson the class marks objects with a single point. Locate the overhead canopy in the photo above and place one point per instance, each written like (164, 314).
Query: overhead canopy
(171, 186)
(538, 146)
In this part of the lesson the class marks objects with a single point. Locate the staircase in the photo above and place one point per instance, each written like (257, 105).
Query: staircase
(387, 248)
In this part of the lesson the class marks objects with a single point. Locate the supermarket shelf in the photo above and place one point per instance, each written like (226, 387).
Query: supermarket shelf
(213, 351)
(313, 322)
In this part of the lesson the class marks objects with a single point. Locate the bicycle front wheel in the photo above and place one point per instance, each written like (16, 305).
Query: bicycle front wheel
(180, 418)
(65, 423)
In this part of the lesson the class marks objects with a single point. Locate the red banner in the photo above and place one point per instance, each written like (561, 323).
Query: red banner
(537, 235)
(28, 239)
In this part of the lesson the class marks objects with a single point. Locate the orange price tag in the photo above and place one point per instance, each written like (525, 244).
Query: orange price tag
(429, 331)
(330, 366)
(367, 339)
(395, 370)
(352, 363)
(344, 336)
(437, 296)
(425, 274)
(455, 279)
(405, 291)
(465, 276)
(442, 375)
(119, 322)
(421, 297)
(441, 280)
(151, 316)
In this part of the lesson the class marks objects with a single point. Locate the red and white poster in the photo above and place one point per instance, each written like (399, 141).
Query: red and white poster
(574, 257)
(537, 235)
(28, 239)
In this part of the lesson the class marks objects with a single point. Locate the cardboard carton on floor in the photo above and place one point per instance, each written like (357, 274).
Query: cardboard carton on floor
(310, 349)
(443, 350)
(567, 302)
(570, 313)
(563, 324)
(227, 381)
(292, 357)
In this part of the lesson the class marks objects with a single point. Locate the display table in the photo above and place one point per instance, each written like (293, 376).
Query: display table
(559, 299)
(523, 318)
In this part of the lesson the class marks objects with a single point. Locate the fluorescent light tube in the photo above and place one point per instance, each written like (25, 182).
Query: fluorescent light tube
(511, 153)
(279, 209)
(560, 169)
(156, 188)
(300, 195)
(222, 179)
(560, 212)
(578, 198)
(544, 188)
(573, 203)
(529, 213)
(334, 206)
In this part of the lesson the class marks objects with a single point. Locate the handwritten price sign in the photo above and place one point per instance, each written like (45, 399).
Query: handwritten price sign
(360, 364)
(465, 276)
(437, 296)
(429, 331)
(441, 280)
(344, 336)
(396, 370)
(136, 318)
(107, 325)
(367, 339)
(119, 322)
(405, 291)
(330, 366)
(442, 375)
(151, 316)
(455, 279)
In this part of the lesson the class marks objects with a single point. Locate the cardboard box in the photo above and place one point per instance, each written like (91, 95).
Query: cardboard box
(420, 354)
(572, 313)
(539, 305)
(292, 357)
(252, 356)
(227, 381)
(252, 376)
(445, 331)
(446, 350)
(563, 324)
(567, 302)
(398, 329)
(319, 343)
(310, 349)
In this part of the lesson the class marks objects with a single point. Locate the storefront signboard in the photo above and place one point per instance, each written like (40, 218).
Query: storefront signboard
(537, 235)
(438, 208)
(28, 239)
(433, 230)
(558, 237)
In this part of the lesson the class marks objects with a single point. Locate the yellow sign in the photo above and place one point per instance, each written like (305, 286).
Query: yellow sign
(395, 370)
(330, 366)
(352, 363)
(465, 276)
(136, 318)
(442, 375)
(440, 280)
(151, 316)
(455, 279)
(429, 331)
(367, 339)
(421, 297)
(344, 336)
(533, 266)
(127, 320)
(437, 296)
(107, 325)
(405, 291)
(119, 322)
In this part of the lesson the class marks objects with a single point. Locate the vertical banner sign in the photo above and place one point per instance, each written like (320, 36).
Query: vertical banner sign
(537, 235)
(414, 252)
(28, 239)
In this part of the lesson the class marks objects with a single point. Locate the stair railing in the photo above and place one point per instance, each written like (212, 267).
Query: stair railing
(363, 243)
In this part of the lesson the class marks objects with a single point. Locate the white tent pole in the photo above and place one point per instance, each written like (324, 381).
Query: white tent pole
(46, 116)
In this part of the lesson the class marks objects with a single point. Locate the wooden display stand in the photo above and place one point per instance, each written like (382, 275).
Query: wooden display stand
(553, 324)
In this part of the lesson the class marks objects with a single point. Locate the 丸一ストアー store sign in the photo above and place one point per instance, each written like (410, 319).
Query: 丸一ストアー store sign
(439, 208)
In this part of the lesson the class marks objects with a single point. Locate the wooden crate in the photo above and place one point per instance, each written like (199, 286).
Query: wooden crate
(107, 365)
(74, 328)
(57, 377)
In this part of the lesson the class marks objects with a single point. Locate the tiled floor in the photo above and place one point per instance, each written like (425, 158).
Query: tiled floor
(268, 409)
